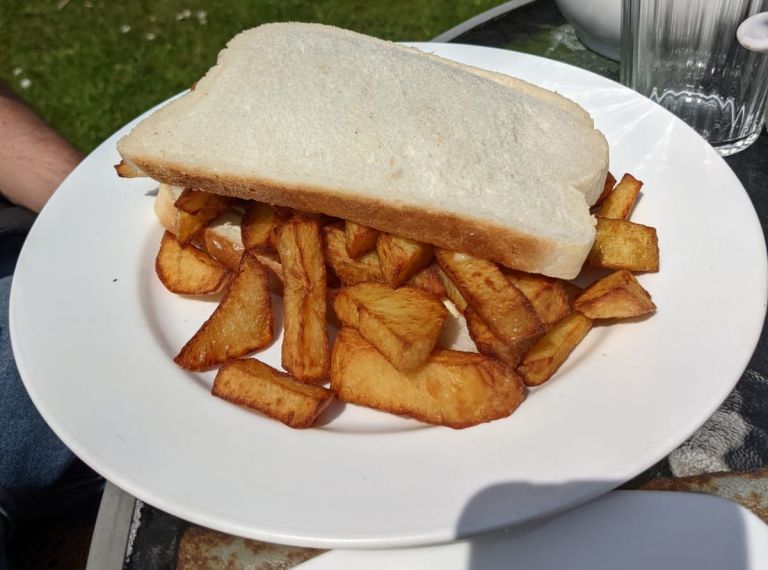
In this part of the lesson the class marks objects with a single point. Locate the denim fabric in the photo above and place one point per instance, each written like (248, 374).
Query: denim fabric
(10, 246)
(40, 478)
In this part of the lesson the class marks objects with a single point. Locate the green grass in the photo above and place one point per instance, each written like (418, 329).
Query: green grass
(88, 67)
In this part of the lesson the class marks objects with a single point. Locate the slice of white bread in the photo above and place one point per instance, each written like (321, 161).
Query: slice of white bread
(327, 120)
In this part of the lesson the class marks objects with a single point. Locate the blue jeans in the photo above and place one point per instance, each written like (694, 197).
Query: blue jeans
(41, 480)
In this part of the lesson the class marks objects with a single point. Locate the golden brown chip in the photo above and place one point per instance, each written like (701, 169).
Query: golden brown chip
(489, 344)
(551, 350)
(125, 170)
(218, 243)
(620, 244)
(365, 269)
(616, 296)
(359, 239)
(618, 204)
(193, 201)
(549, 296)
(230, 252)
(428, 280)
(260, 222)
(503, 307)
(403, 324)
(306, 353)
(186, 270)
(610, 182)
(206, 206)
(452, 292)
(401, 258)
(455, 389)
(240, 324)
(253, 384)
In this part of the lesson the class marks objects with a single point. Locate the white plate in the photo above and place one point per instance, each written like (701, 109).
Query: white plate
(94, 333)
(630, 530)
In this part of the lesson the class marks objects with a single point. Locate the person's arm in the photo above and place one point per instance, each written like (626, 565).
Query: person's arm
(34, 159)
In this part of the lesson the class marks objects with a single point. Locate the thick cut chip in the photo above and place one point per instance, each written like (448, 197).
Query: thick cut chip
(255, 385)
(616, 296)
(549, 296)
(274, 270)
(124, 170)
(618, 204)
(455, 389)
(401, 258)
(240, 324)
(503, 307)
(489, 344)
(403, 324)
(186, 270)
(610, 182)
(365, 269)
(359, 239)
(229, 252)
(452, 292)
(428, 280)
(219, 239)
(552, 349)
(306, 353)
(206, 207)
(620, 244)
(260, 222)
(193, 201)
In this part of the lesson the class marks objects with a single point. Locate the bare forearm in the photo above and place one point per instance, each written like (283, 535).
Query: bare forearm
(34, 159)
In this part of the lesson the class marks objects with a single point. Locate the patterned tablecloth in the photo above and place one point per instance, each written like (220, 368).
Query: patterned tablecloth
(728, 456)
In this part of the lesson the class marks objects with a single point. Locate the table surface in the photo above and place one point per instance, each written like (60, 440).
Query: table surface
(159, 540)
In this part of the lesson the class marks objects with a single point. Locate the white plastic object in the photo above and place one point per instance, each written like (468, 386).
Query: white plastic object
(753, 33)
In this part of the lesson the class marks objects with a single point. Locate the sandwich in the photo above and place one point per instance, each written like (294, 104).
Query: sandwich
(329, 121)
(430, 210)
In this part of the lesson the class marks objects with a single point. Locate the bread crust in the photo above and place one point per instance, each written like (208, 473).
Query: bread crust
(449, 231)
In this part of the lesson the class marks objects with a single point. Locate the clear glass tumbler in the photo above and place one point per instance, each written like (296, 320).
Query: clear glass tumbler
(683, 54)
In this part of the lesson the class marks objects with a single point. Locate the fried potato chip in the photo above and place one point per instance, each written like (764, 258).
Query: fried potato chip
(428, 280)
(619, 203)
(610, 182)
(455, 389)
(359, 239)
(125, 170)
(489, 344)
(186, 270)
(616, 296)
(452, 292)
(275, 394)
(365, 269)
(401, 258)
(306, 352)
(501, 305)
(240, 324)
(551, 350)
(260, 222)
(229, 252)
(206, 206)
(193, 201)
(620, 244)
(403, 324)
(549, 296)
(218, 239)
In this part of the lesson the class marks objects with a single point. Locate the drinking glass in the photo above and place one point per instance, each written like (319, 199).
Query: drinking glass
(684, 55)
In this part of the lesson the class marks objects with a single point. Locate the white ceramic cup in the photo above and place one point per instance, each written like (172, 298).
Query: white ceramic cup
(597, 24)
